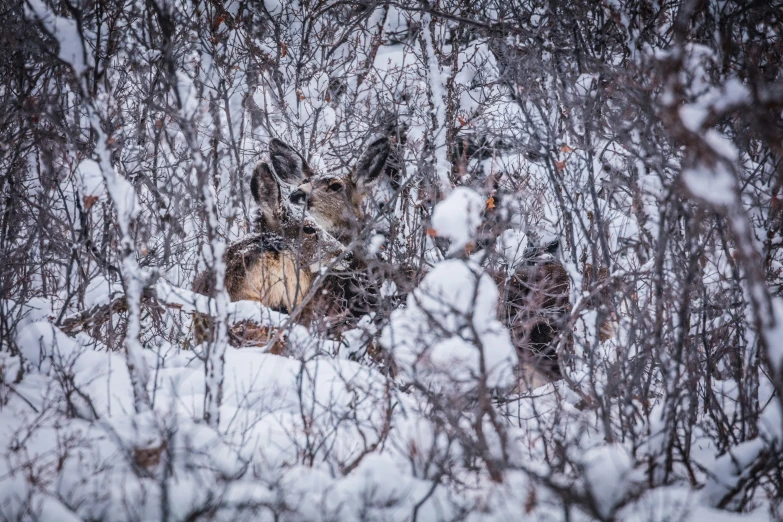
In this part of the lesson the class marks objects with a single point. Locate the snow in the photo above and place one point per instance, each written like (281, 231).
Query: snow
(274, 7)
(91, 178)
(458, 217)
(123, 195)
(449, 330)
(100, 291)
(265, 398)
(609, 476)
(679, 503)
(435, 77)
(66, 32)
(511, 246)
(728, 469)
(693, 116)
(391, 419)
(315, 90)
(715, 185)
(586, 85)
(773, 337)
(329, 116)
(33, 310)
(375, 244)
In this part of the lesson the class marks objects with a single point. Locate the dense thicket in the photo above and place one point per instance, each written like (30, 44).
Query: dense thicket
(646, 137)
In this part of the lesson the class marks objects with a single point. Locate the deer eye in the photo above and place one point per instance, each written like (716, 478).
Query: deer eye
(335, 186)
(307, 229)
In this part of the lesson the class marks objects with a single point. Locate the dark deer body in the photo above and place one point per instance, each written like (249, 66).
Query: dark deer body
(534, 305)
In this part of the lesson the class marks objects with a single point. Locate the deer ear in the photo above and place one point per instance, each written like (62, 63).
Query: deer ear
(288, 164)
(264, 187)
(373, 161)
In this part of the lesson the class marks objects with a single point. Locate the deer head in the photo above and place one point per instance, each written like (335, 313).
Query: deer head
(334, 202)
(297, 229)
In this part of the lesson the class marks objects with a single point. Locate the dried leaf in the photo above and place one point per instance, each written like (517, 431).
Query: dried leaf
(412, 448)
(461, 121)
(432, 232)
(300, 95)
(491, 203)
(89, 201)
(283, 49)
(566, 148)
(148, 457)
(530, 501)
(560, 165)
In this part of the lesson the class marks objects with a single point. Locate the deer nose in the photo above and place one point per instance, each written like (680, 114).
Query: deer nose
(298, 197)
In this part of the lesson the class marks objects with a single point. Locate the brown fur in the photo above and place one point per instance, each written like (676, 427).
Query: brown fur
(149, 458)
(272, 269)
(275, 280)
(260, 268)
(534, 303)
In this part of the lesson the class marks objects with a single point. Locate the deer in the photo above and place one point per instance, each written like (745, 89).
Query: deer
(534, 306)
(277, 264)
(337, 205)
(535, 296)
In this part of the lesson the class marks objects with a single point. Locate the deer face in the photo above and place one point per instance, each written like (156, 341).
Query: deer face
(300, 233)
(334, 202)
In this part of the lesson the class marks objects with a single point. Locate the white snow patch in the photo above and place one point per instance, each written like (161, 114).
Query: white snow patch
(90, 178)
(449, 326)
(774, 337)
(511, 246)
(608, 471)
(375, 244)
(713, 185)
(458, 217)
(66, 33)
